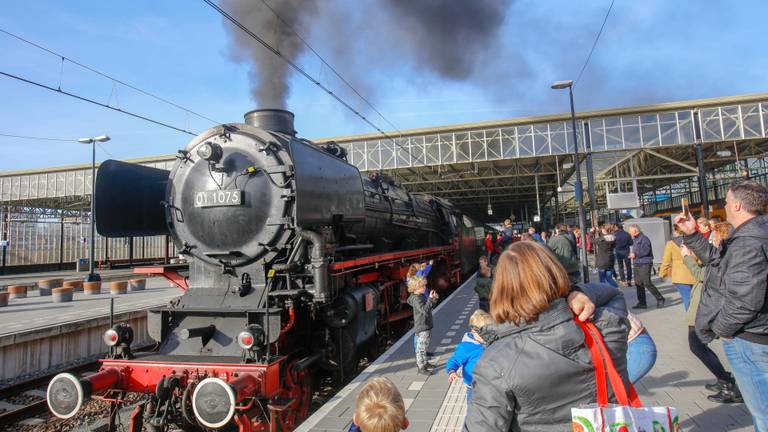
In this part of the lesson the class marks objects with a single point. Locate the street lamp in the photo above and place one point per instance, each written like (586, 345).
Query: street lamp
(577, 188)
(93, 276)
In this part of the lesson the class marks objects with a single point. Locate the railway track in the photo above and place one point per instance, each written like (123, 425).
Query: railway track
(27, 399)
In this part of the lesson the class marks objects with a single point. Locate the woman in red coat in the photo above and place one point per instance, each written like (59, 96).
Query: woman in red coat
(488, 245)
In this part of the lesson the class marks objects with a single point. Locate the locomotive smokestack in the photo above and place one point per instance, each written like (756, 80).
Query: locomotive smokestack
(275, 120)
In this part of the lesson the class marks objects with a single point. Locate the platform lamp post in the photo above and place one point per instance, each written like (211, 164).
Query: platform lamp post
(92, 275)
(577, 187)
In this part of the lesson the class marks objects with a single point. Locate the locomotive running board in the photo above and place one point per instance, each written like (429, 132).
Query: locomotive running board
(169, 272)
(386, 258)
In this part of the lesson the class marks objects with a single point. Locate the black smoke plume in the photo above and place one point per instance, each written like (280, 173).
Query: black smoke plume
(449, 38)
(269, 73)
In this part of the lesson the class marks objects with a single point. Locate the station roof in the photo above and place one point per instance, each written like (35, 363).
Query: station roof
(513, 164)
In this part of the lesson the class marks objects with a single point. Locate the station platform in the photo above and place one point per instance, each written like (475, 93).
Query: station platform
(432, 404)
(38, 335)
(36, 312)
(31, 278)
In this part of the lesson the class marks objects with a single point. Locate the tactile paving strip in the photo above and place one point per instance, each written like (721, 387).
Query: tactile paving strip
(450, 418)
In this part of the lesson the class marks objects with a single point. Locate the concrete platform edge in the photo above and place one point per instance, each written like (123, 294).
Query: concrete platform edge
(58, 329)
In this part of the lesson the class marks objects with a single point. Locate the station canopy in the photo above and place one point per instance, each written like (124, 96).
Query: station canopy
(522, 166)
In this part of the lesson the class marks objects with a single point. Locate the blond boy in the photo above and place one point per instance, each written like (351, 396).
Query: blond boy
(422, 320)
(379, 408)
(468, 352)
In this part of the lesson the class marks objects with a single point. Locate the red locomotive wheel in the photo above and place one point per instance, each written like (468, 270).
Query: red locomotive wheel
(297, 394)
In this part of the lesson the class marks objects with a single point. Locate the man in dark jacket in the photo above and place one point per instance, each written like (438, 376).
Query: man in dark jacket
(532, 374)
(733, 303)
(642, 254)
(561, 246)
(621, 249)
(483, 287)
(572, 237)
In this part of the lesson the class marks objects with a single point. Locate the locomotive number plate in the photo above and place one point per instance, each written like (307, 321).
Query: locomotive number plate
(219, 198)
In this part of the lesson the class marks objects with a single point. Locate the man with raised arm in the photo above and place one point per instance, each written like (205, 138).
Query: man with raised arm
(733, 302)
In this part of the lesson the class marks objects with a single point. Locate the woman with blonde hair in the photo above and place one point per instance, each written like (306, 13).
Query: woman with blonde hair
(672, 267)
(537, 366)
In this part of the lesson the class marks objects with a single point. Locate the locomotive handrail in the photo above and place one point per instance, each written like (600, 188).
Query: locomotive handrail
(393, 256)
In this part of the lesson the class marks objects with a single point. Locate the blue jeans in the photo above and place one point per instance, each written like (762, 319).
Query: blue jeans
(685, 294)
(749, 363)
(606, 276)
(641, 356)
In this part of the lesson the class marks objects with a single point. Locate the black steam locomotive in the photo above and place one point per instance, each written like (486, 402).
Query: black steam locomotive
(296, 263)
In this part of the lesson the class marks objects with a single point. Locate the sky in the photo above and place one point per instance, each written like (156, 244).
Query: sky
(650, 51)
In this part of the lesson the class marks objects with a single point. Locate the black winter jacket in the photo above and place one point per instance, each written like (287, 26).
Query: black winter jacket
(623, 242)
(733, 300)
(604, 245)
(422, 312)
(531, 375)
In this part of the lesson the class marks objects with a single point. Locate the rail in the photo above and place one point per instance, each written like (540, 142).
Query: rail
(35, 407)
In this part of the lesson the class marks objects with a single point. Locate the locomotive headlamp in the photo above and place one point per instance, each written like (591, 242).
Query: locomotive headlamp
(211, 152)
(65, 395)
(120, 334)
(214, 399)
(111, 337)
(245, 340)
(213, 403)
(252, 336)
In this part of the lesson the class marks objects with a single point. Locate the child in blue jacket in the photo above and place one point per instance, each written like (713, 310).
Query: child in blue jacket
(468, 352)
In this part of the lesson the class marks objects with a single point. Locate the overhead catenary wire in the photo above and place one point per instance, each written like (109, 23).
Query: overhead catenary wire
(594, 44)
(302, 72)
(54, 139)
(105, 150)
(95, 102)
(91, 69)
(36, 138)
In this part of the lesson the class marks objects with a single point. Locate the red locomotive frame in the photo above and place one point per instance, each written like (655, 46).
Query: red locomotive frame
(286, 386)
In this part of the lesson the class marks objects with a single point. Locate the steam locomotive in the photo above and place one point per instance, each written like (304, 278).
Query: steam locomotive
(296, 267)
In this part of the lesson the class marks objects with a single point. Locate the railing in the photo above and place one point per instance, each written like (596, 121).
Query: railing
(715, 192)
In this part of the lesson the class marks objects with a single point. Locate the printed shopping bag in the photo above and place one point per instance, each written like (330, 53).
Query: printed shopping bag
(628, 415)
(618, 418)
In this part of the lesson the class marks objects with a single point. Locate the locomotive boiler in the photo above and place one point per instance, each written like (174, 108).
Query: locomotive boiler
(296, 262)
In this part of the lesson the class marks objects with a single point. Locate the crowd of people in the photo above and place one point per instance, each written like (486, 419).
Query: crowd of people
(524, 360)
